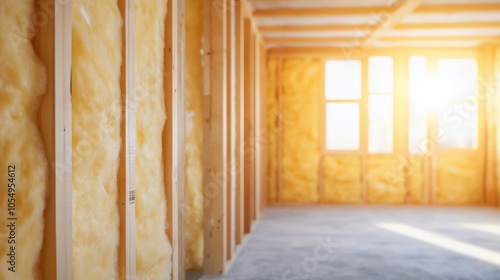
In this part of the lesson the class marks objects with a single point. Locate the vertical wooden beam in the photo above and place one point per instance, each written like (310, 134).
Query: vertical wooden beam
(258, 128)
(231, 125)
(173, 133)
(215, 213)
(322, 131)
(249, 128)
(280, 126)
(364, 126)
(53, 45)
(432, 127)
(263, 124)
(488, 101)
(126, 169)
(240, 116)
(401, 117)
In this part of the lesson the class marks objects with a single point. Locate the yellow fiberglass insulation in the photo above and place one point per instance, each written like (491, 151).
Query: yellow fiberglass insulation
(301, 149)
(342, 179)
(194, 136)
(153, 249)
(22, 84)
(272, 127)
(415, 178)
(385, 180)
(457, 178)
(96, 53)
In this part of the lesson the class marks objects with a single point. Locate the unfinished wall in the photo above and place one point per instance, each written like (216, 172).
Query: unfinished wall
(301, 149)
(383, 183)
(273, 120)
(341, 179)
(457, 179)
(153, 249)
(415, 179)
(96, 48)
(23, 166)
(194, 136)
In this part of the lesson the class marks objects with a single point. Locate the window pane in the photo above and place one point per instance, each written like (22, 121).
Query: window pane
(380, 74)
(342, 126)
(458, 79)
(343, 79)
(458, 125)
(381, 123)
(418, 109)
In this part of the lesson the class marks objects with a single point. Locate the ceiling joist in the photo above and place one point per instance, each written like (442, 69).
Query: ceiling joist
(392, 39)
(363, 27)
(374, 10)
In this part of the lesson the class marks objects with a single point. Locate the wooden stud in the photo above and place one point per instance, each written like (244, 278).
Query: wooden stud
(257, 128)
(280, 126)
(364, 127)
(214, 222)
(173, 133)
(249, 127)
(240, 116)
(263, 124)
(126, 169)
(230, 122)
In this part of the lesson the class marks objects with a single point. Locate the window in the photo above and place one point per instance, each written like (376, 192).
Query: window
(380, 108)
(343, 97)
(457, 103)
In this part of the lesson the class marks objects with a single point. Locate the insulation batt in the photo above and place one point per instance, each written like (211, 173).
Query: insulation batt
(194, 136)
(153, 249)
(301, 150)
(273, 121)
(342, 179)
(22, 84)
(384, 184)
(457, 179)
(96, 48)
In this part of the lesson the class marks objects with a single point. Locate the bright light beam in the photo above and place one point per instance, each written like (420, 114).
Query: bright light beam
(466, 249)
(488, 228)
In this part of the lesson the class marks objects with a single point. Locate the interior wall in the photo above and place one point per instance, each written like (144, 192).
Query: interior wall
(310, 176)
(96, 100)
(24, 168)
(194, 136)
(153, 249)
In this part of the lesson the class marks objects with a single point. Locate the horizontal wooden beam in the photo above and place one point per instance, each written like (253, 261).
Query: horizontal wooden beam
(315, 40)
(341, 53)
(358, 40)
(314, 28)
(372, 10)
(441, 39)
(367, 27)
(314, 12)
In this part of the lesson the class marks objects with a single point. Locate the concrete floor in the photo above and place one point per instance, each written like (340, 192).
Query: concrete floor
(348, 243)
